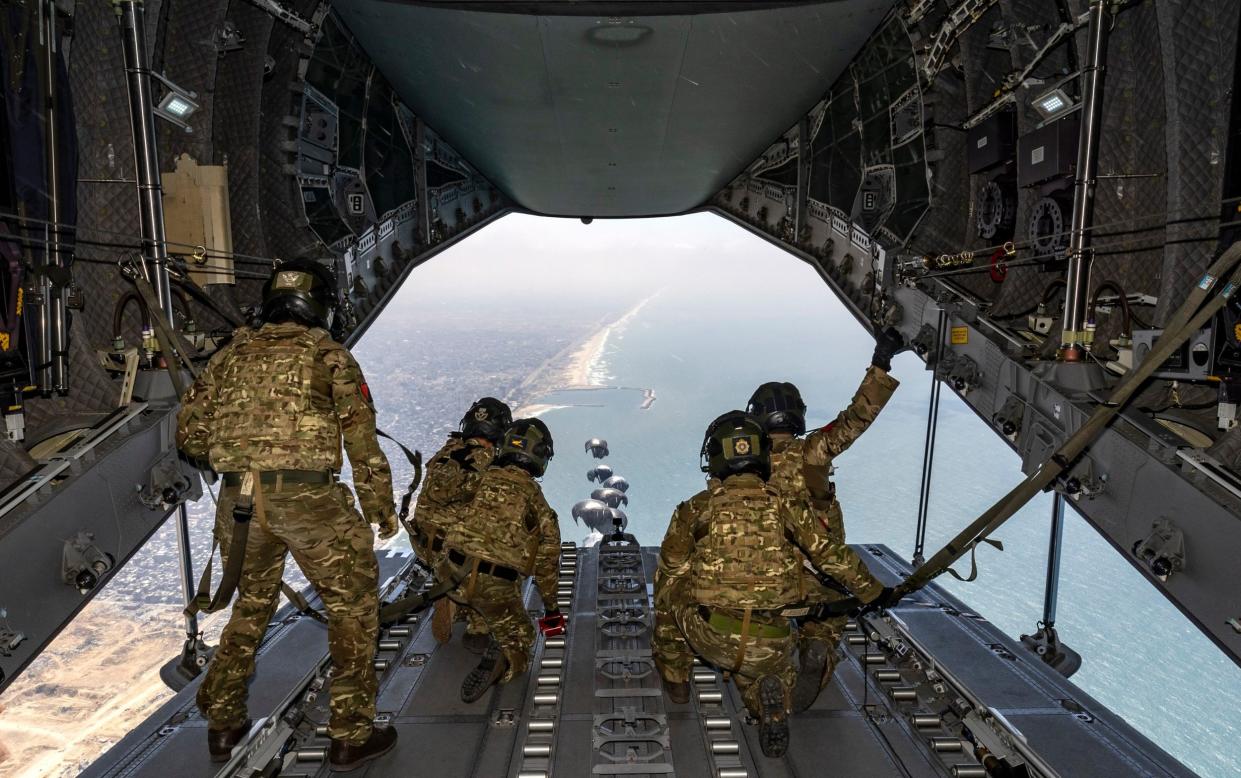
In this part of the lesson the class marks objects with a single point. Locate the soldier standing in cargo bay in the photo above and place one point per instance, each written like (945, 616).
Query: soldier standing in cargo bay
(269, 413)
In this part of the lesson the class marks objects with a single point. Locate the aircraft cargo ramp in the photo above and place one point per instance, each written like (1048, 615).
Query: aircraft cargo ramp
(931, 689)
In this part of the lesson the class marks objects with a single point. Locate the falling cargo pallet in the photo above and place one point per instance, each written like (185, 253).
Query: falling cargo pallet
(930, 690)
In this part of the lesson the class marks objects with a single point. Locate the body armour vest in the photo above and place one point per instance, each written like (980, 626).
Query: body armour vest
(744, 559)
(500, 524)
(452, 479)
(274, 407)
(794, 479)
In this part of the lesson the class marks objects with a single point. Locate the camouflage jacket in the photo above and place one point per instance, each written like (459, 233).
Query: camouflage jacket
(451, 481)
(509, 523)
(801, 467)
(284, 397)
(674, 582)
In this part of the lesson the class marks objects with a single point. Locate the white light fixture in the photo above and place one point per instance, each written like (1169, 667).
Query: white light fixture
(1052, 104)
(177, 104)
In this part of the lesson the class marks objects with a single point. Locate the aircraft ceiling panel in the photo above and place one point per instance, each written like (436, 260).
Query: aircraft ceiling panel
(545, 106)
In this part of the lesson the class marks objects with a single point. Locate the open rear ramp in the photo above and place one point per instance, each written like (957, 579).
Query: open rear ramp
(931, 689)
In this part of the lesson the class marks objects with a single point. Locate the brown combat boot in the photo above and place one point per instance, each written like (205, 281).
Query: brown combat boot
(476, 643)
(490, 670)
(677, 691)
(220, 742)
(814, 654)
(442, 619)
(343, 756)
(773, 721)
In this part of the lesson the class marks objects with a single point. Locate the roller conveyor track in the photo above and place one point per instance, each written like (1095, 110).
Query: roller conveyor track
(944, 687)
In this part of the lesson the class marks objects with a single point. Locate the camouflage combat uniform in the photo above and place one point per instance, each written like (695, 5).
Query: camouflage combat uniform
(801, 469)
(452, 478)
(508, 524)
(731, 549)
(280, 399)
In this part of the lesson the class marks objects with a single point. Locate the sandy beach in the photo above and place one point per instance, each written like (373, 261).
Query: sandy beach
(578, 367)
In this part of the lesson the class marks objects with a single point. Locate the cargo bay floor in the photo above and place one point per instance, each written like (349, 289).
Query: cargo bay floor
(941, 690)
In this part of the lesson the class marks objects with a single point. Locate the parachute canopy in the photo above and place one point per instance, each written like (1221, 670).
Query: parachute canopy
(617, 482)
(593, 513)
(600, 473)
(613, 497)
(597, 447)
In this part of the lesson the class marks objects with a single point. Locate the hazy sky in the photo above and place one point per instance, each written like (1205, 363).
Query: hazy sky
(522, 259)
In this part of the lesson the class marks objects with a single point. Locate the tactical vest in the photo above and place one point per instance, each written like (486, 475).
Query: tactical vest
(743, 558)
(500, 524)
(451, 481)
(274, 408)
(794, 479)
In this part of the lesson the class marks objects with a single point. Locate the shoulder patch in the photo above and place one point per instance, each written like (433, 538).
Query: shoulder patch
(365, 391)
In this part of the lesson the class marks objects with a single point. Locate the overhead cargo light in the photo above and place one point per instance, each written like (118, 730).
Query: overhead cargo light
(177, 105)
(1053, 104)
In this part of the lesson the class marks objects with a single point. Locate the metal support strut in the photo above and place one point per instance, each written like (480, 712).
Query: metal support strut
(146, 154)
(52, 279)
(1051, 591)
(186, 563)
(928, 445)
(1076, 302)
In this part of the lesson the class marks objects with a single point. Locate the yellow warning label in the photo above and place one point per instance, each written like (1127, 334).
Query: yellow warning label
(960, 336)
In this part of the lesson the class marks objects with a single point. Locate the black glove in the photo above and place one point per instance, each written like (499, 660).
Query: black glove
(886, 599)
(888, 344)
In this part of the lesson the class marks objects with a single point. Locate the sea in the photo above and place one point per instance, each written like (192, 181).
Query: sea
(708, 336)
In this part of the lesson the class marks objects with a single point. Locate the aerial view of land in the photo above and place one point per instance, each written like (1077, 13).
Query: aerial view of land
(100, 677)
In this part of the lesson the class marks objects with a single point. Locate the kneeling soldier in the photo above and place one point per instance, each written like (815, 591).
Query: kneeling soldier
(506, 533)
(729, 567)
(452, 478)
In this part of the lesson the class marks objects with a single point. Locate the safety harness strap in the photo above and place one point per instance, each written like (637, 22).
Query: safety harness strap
(173, 348)
(249, 502)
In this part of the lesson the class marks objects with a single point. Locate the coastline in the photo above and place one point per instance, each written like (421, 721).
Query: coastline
(577, 367)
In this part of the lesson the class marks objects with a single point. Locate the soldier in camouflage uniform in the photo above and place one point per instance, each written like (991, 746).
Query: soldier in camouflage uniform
(506, 533)
(452, 477)
(729, 565)
(275, 404)
(801, 469)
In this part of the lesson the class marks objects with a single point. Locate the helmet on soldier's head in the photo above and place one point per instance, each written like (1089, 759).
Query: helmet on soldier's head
(527, 443)
(736, 443)
(778, 407)
(303, 291)
(486, 418)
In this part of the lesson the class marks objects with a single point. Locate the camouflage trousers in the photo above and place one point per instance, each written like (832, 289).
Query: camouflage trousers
(334, 547)
(474, 624)
(762, 657)
(827, 630)
(498, 604)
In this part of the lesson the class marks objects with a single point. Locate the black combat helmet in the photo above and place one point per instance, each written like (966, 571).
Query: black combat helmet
(303, 291)
(527, 444)
(778, 407)
(486, 418)
(736, 443)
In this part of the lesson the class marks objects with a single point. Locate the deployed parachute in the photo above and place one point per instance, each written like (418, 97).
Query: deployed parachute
(613, 497)
(618, 516)
(617, 482)
(594, 514)
(600, 473)
(598, 447)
